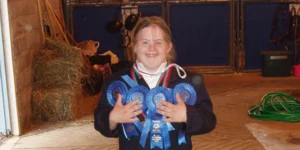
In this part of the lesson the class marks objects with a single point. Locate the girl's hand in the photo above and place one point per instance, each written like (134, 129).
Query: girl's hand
(174, 113)
(125, 113)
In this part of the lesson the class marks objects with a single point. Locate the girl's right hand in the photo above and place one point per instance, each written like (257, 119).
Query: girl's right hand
(125, 113)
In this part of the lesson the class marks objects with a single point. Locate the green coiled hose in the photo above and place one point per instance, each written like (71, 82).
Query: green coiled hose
(276, 106)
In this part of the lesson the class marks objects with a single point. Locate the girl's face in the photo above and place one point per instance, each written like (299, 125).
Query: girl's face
(151, 48)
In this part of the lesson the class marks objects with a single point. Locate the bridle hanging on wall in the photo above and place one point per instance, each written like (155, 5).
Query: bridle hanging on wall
(124, 39)
(276, 36)
(297, 36)
(124, 25)
(130, 19)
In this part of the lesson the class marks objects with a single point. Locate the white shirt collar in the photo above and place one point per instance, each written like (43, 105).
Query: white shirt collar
(151, 78)
(142, 70)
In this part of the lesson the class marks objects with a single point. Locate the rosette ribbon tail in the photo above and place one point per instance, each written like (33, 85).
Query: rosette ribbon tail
(145, 130)
(139, 125)
(158, 131)
(166, 136)
(129, 81)
(129, 130)
(169, 125)
(181, 137)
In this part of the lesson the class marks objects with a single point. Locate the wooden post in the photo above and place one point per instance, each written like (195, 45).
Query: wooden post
(41, 21)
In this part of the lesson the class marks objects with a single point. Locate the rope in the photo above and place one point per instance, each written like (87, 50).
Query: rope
(276, 106)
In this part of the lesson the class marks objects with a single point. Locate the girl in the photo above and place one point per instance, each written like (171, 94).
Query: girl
(153, 56)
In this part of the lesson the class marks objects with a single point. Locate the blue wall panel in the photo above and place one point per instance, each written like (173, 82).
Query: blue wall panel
(201, 33)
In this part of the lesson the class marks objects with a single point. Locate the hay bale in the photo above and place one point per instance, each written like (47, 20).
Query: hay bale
(53, 105)
(62, 49)
(60, 65)
(57, 73)
(60, 72)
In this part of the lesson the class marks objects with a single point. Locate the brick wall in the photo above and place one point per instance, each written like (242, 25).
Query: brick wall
(26, 38)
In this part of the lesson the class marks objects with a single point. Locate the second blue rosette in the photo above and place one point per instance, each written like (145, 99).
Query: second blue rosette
(137, 93)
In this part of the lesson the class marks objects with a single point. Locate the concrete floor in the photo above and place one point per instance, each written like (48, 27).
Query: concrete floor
(231, 95)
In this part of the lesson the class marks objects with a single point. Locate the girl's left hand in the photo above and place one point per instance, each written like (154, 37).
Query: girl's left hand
(173, 112)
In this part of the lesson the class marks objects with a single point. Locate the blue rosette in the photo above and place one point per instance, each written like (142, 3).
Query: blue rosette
(159, 132)
(115, 88)
(189, 96)
(155, 95)
(138, 93)
(164, 94)
(186, 92)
